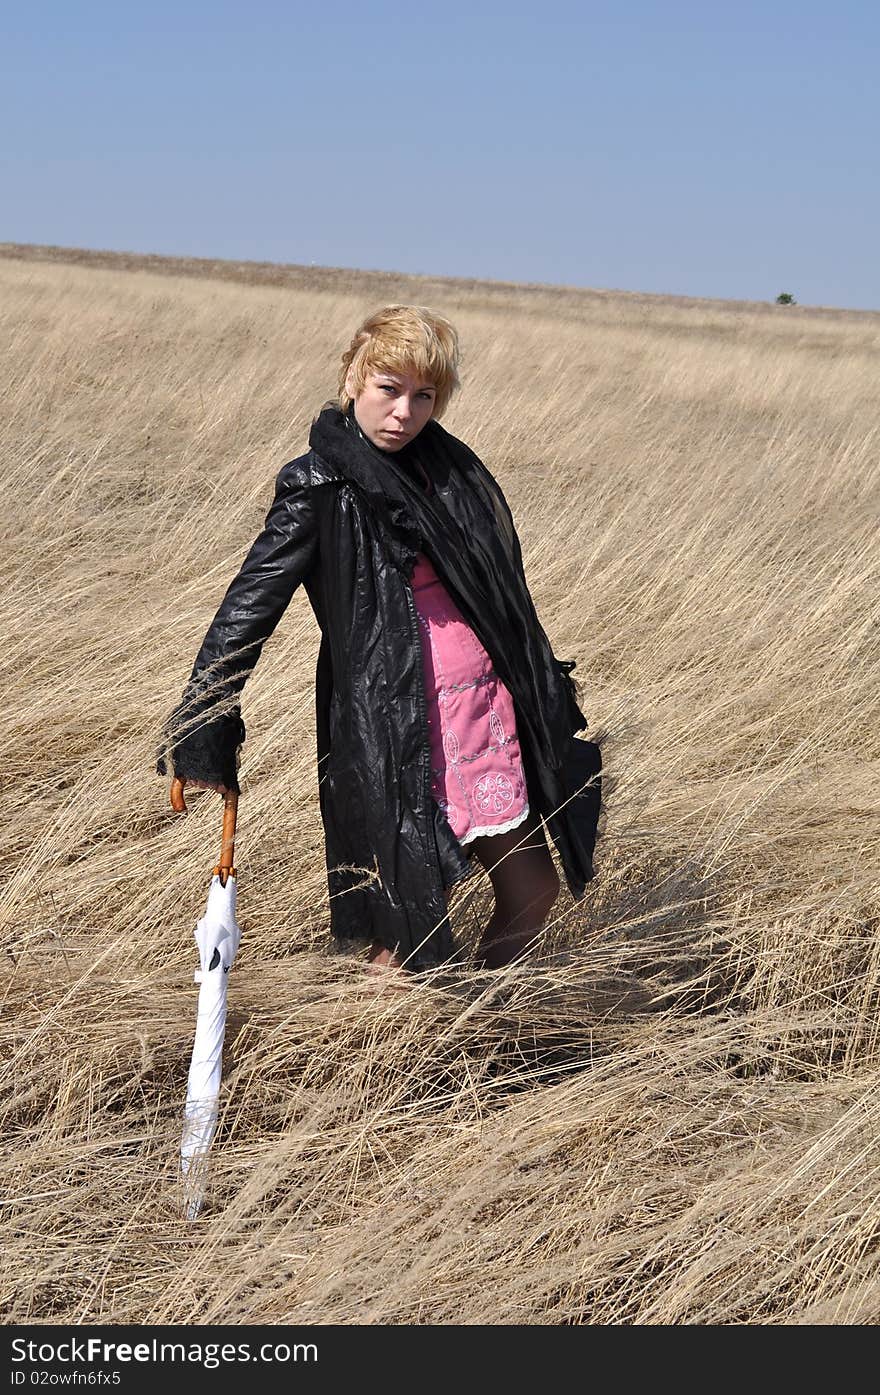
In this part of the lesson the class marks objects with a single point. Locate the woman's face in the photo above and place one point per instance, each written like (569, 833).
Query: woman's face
(392, 408)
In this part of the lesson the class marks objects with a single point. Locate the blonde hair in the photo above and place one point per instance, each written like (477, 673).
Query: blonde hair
(403, 339)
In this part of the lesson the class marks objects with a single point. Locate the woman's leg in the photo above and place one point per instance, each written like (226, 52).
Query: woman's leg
(379, 957)
(526, 885)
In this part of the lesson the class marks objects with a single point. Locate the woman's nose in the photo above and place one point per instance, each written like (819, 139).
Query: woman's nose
(403, 408)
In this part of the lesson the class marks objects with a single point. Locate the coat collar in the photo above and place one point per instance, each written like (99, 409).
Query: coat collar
(385, 475)
(389, 479)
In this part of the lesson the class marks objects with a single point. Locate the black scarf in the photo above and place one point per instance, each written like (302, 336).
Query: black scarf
(465, 527)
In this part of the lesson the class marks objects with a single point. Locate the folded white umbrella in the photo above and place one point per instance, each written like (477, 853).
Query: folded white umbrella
(217, 935)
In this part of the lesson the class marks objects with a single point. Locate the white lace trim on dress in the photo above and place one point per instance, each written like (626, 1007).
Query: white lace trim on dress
(496, 827)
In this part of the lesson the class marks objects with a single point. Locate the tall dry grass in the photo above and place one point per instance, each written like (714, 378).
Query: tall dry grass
(671, 1114)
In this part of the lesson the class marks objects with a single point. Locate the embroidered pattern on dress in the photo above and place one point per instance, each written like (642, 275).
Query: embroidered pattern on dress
(451, 746)
(463, 760)
(449, 809)
(480, 682)
(492, 793)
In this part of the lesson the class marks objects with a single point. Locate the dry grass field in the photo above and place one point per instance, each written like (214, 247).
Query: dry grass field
(671, 1115)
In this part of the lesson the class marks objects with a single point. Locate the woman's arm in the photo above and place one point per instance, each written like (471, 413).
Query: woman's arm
(205, 730)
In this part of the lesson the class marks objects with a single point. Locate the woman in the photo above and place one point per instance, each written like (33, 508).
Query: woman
(444, 722)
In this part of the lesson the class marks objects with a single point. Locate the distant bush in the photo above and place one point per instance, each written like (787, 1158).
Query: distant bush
(784, 298)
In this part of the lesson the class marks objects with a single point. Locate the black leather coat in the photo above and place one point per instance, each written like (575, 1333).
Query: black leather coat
(390, 851)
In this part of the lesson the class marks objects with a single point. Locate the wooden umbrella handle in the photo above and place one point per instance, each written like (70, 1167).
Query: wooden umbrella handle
(225, 867)
(178, 803)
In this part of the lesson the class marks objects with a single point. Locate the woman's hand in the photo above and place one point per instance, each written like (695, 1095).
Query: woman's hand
(178, 803)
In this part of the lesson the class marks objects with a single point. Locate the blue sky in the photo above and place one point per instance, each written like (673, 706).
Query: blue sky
(693, 148)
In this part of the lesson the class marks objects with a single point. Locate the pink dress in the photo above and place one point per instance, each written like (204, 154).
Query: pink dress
(476, 766)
